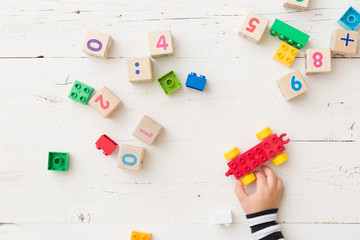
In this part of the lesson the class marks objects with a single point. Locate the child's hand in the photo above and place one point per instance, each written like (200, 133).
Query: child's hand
(269, 191)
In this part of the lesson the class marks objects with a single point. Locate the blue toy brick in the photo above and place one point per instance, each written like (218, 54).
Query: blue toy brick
(350, 20)
(81, 92)
(196, 82)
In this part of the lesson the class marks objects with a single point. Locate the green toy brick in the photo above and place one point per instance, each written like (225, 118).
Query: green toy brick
(58, 161)
(169, 82)
(81, 92)
(289, 33)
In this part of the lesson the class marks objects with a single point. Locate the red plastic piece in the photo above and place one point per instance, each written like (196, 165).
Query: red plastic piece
(106, 144)
(258, 155)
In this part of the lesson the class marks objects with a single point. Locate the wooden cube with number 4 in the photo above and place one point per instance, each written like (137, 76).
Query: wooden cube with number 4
(160, 44)
(253, 27)
(317, 61)
(292, 85)
(105, 102)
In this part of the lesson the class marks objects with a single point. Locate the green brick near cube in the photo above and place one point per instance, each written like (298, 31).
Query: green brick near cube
(58, 161)
(169, 82)
(81, 92)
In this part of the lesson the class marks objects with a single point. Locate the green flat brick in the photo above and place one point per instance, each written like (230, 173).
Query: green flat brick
(81, 92)
(169, 82)
(58, 161)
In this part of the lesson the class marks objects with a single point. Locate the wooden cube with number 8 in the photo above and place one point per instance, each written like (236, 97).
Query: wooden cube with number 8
(254, 27)
(160, 44)
(105, 102)
(292, 85)
(317, 61)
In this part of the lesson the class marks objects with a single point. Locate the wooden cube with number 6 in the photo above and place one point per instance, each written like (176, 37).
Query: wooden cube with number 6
(292, 85)
(254, 27)
(317, 61)
(161, 44)
(105, 102)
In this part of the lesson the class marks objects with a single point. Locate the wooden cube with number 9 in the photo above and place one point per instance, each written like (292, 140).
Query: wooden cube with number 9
(254, 27)
(317, 61)
(161, 44)
(292, 85)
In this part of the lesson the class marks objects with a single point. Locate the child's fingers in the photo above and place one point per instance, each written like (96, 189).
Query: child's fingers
(260, 180)
(270, 176)
(240, 190)
(279, 183)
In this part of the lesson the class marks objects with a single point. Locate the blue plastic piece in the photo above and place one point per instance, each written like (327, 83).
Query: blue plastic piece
(350, 20)
(196, 82)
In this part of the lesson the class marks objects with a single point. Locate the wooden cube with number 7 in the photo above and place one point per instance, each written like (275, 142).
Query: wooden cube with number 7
(292, 85)
(254, 27)
(105, 102)
(317, 61)
(160, 44)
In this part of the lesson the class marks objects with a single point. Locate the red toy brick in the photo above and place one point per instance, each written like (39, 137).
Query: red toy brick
(106, 144)
(258, 155)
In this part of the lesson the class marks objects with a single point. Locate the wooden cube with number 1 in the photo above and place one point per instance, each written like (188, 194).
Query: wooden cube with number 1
(292, 85)
(160, 44)
(105, 102)
(317, 61)
(253, 27)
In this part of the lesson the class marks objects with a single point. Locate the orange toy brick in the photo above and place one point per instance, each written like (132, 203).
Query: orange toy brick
(285, 54)
(140, 236)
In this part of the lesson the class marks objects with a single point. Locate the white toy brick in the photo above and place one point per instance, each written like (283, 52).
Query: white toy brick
(296, 4)
(148, 130)
(344, 43)
(292, 85)
(221, 216)
(97, 44)
(161, 44)
(139, 70)
(317, 61)
(105, 102)
(130, 157)
(253, 27)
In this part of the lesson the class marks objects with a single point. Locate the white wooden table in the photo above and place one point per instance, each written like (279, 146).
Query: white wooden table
(183, 175)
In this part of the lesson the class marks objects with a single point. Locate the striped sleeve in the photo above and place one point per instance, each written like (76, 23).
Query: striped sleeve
(264, 226)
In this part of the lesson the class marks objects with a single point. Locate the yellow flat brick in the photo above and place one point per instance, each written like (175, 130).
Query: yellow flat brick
(285, 54)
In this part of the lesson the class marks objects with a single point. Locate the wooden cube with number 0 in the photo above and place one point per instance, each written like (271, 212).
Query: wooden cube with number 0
(253, 27)
(296, 4)
(292, 85)
(97, 44)
(317, 61)
(105, 102)
(160, 44)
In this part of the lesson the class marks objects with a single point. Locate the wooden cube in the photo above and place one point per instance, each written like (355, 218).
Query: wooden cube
(139, 70)
(292, 85)
(296, 4)
(97, 44)
(147, 130)
(160, 44)
(105, 102)
(317, 61)
(253, 27)
(344, 43)
(131, 157)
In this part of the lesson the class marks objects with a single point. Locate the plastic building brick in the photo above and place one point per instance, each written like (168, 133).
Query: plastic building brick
(289, 33)
(196, 82)
(350, 20)
(106, 144)
(140, 236)
(161, 44)
(221, 216)
(148, 130)
(169, 82)
(285, 54)
(58, 161)
(292, 85)
(253, 27)
(242, 165)
(344, 43)
(317, 61)
(81, 92)
(296, 4)
(97, 44)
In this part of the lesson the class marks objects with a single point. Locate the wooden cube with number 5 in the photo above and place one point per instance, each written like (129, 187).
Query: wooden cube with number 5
(254, 27)
(105, 102)
(317, 61)
(292, 85)
(161, 44)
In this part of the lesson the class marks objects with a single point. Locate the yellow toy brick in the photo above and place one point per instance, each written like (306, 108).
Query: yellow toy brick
(285, 54)
(140, 236)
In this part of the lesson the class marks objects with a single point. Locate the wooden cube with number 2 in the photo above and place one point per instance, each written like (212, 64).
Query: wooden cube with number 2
(317, 61)
(160, 44)
(254, 27)
(292, 85)
(105, 102)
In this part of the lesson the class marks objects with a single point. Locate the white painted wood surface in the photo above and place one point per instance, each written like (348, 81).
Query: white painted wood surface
(182, 179)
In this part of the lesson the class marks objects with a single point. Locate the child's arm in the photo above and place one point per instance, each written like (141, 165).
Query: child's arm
(261, 207)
